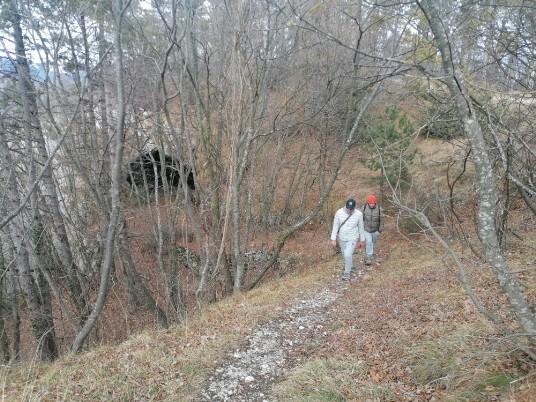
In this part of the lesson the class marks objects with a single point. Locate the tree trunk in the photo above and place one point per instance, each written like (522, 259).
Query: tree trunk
(119, 10)
(139, 292)
(485, 181)
(34, 133)
(4, 307)
(11, 284)
(42, 325)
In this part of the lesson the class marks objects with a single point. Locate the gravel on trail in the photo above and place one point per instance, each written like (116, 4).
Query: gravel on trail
(250, 373)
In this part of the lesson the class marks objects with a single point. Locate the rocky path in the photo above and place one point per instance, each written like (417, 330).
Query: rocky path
(272, 349)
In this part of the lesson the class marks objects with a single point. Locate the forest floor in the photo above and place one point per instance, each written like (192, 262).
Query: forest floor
(391, 333)
(399, 330)
(402, 329)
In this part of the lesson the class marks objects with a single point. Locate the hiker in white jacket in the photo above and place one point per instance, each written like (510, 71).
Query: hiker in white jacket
(348, 227)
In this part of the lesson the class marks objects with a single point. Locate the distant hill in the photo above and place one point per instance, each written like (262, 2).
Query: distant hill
(37, 70)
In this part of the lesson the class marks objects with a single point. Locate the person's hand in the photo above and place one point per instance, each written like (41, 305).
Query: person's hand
(360, 245)
(333, 243)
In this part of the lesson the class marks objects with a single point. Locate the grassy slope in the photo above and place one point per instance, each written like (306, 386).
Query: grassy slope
(403, 332)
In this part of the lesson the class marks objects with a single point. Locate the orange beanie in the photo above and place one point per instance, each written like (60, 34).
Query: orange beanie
(371, 200)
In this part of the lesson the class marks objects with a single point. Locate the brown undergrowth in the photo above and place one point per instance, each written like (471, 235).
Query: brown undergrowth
(404, 331)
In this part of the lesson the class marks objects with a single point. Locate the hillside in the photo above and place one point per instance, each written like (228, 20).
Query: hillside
(401, 330)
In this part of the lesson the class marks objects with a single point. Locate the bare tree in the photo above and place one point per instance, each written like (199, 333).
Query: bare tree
(119, 9)
(40, 318)
(236, 82)
(485, 183)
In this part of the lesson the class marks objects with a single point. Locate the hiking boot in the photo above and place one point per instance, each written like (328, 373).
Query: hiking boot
(368, 260)
(345, 277)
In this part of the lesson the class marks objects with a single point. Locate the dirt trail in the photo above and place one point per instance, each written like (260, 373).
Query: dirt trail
(275, 347)
(369, 321)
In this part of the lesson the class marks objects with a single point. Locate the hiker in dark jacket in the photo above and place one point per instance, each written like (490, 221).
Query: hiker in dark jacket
(373, 223)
